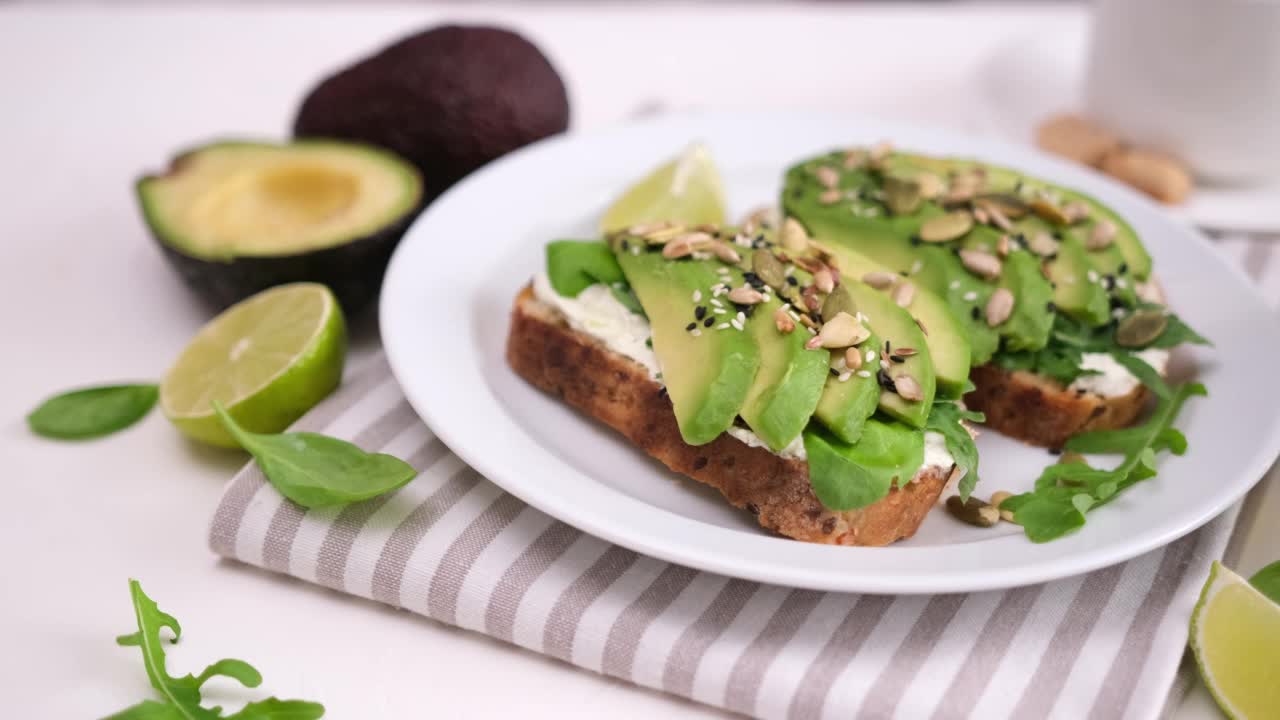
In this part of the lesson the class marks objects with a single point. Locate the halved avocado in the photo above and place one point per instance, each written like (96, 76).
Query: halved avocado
(237, 217)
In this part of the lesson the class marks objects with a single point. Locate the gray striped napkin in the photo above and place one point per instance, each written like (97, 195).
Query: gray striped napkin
(456, 548)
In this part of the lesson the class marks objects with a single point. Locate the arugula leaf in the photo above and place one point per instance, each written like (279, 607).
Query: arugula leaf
(1060, 362)
(93, 412)
(181, 695)
(945, 419)
(575, 265)
(316, 470)
(1176, 333)
(1146, 374)
(1267, 580)
(1065, 492)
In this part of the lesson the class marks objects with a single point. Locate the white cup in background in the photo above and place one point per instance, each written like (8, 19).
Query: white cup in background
(1199, 79)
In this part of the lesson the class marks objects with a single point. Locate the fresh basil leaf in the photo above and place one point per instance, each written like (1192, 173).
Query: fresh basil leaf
(1146, 374)
(181, 695)
(316, 470)
(945, 419)
(93, 412)
(1066, 491)
(1267, 580)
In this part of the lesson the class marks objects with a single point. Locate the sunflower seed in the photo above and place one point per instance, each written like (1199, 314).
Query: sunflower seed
(783, 321)
(980, 263)
(824, 280)
(745, 295)
(980, 215)
(946, 227)
(880, 279)
(1101, 236)
(1076, 211)
(1043, 244)
(724, 252)
(904, 351)
(1002, 246)
(999, 307)
(828, 176)
(677, 249)
(998, 218)
(879, 152)
(853, 158)
(1141, 328)
(853, 358)
(903, 293)
(907, 387)
(830, 197)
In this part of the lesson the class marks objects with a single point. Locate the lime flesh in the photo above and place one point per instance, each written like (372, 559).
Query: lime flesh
(1235, 633)
(686, 190)
(268, 359)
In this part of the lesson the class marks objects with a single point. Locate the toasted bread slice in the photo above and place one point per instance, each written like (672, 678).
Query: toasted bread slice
(618, 391)
(1042, 411)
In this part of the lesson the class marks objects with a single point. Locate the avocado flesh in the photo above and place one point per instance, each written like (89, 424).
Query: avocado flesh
(1031, 321)
(845, 476)
(1073, 293)
(237, 217)
(947, 341)
(896, 327)
(708, 376)
(845, 405)
(789, 382)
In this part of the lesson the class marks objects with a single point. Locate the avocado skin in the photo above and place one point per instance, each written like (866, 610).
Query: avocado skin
(448, 100)
(353, 271)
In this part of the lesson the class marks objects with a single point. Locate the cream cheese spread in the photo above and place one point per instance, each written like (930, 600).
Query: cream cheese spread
(1113, 380)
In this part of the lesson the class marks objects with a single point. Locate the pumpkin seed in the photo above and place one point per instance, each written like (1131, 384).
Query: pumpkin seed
(998, 497)
(930, 185)
(1049, 211)
(841, 331)
(794, 238)
(901, 195)
(769, 268)
(946, 227)
(1009, 205)
(1141, 328)
(973, 511)
(839, 301)
(999, 307)
(1072, 457)
(981, 263)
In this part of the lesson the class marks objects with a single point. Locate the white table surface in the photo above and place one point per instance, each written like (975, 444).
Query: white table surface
(90, 97)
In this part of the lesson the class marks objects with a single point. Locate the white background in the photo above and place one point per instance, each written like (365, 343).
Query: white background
(92, 97)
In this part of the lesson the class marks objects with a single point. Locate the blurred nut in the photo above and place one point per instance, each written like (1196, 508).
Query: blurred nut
(1076, 138)
(1159, 176)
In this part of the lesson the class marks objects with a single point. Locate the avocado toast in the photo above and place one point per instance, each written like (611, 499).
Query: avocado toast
(741, 357)
(1053, 290)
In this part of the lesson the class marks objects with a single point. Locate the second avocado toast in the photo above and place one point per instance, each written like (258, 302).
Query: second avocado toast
(815, 370)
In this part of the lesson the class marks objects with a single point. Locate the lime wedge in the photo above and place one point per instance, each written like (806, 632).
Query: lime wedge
(268, 359)
(1235, 633)
(687, 190)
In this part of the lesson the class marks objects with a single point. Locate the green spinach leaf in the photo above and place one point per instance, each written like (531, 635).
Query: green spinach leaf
(1267, 580)
(181, 695)
(316, 470)
(945, 418)
(93, 412)
(1065, 492)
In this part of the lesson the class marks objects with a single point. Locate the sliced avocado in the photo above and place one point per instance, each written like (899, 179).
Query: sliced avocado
(575, 265)
(708, 371)
(1031, 321)
(235, 218)
(946, 339)
(846, 476)
(897, 329)
(1113, 270)
(1073, 294)
(789, 382)
(846, 404)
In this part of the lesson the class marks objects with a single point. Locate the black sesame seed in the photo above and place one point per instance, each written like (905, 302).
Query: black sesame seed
(791, 280)
(751, 309)
(1057, 234)
(626, 246)
(904, 273)
(1108, 282)
(834, 372)
(709, 322)
(1116, 303)
(700, 312)
(885, 381)
(1051, 306)
(1051, 257)
(916, 241)
(690, 326)
(886, 346)
(897, 358)
(1124, 268)
(973, 311)
(1055, 451)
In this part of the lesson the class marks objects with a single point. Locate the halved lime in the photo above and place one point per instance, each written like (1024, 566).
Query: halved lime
(1235, 633)
(687, 189)
(268, 359)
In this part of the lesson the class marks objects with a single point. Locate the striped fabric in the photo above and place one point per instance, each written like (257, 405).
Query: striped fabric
(456, 548)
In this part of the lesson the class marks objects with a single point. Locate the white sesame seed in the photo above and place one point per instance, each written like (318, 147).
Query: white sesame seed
(862, 318)
(955, 285)
(917, 266)
(696, 332)
(635, 250)
(794, 315)
(864, 373)
(719, 311)
(1122, 283)
(871, 356)
(840, 363)
(697, 296)
(1118, 313)
(717, 303)
(722, 326)
(1093, 276)
(844, 376)
(742, 317)
(970, 296)
(736, 325)
(1070, 279)
(790, 270)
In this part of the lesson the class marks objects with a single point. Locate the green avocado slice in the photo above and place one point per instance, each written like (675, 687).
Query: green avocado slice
(897, 329)
(846, 476)
(708, 371)
(237, 217)
(846, 404)
(1073, 291)
(946, 339)
(789, 382)
(1031, 321)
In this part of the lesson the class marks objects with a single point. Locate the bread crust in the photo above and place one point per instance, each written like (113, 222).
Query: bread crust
(618, 391)
(1041, 411)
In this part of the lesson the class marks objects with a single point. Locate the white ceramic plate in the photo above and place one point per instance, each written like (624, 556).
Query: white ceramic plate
(444, 316)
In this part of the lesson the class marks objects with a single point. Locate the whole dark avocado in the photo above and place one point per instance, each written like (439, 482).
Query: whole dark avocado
(448, 99)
